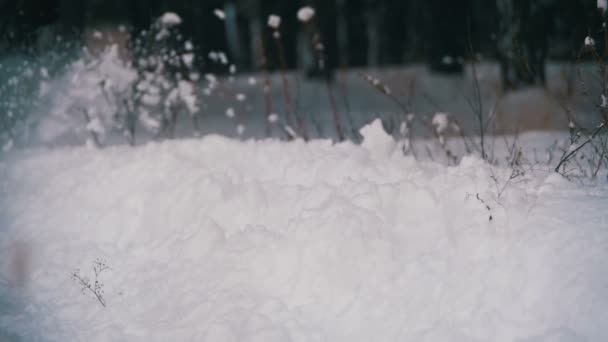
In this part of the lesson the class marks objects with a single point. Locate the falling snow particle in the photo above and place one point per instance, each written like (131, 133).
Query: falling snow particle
(440, 121)
(241, 97)
(219, 13)
(274, 21)
(305, 14)
(230, 113)
(170, 19)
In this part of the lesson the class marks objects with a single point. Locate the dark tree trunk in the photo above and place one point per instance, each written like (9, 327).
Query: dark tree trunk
(523, 32)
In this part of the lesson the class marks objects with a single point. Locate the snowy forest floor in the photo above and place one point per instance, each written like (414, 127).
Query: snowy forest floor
(214, 239)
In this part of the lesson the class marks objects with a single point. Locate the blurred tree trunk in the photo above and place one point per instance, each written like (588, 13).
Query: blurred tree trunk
(372, 17)
(415, 21)
(232, 34)
(523, 31)
(447, 35)
(255, 30)
(342, 33)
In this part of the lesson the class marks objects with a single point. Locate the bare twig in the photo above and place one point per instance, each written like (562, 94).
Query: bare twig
(95, 287)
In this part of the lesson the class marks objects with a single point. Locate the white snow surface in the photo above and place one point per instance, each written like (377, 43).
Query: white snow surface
(220, 240)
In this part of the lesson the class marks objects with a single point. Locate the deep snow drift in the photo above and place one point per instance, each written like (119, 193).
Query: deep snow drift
(219, 240)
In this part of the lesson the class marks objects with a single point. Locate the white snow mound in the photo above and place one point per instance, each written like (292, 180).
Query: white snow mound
(219, 240)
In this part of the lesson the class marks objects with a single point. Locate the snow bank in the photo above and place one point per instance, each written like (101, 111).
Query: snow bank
(218, 240)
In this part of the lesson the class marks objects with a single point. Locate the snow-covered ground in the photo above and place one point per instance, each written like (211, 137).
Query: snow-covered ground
(219, 240)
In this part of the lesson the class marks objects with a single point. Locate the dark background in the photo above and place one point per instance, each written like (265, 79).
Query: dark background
(357, 33)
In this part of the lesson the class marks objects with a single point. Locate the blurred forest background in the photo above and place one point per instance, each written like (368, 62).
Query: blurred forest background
(521, 34)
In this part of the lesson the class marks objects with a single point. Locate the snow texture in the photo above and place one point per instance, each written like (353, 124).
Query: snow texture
(219, 240)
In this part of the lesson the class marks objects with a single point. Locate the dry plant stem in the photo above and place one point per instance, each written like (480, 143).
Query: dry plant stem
(96, 288)
(599, 163)
(336, 115)
(317, 47)
(568, 156)
(402, 106)
(349, 116)
(287, 92)
(477, 103)
(88, 287)
(94, 135)
(267, 102)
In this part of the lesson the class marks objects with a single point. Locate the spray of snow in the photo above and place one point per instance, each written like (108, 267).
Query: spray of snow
(602, 5)
(589, 42)
(96, 85)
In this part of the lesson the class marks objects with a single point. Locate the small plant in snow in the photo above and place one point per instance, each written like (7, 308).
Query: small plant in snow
(587, 151)
(443, 124)
(93, 286)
